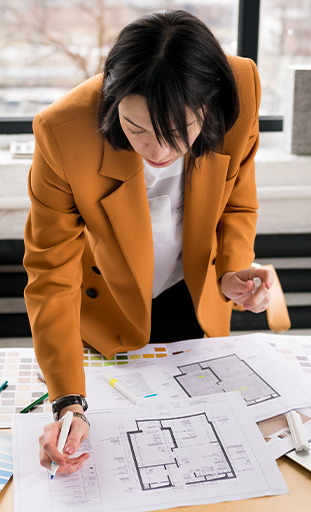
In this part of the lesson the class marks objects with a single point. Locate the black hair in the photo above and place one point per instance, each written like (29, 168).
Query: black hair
(173, 60)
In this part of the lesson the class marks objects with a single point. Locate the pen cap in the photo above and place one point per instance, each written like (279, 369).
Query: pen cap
(257, 282)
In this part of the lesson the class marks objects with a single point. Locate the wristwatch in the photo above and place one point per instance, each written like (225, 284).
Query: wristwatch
(83, 417)
(65, 401)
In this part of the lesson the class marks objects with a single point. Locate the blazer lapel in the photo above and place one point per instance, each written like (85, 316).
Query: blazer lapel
(203, 198)
(128, 212)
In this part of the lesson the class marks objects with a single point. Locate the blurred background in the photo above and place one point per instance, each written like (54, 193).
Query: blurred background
(49, 46)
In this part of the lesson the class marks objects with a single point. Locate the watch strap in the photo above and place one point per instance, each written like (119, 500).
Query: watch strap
(65, 401)
(83, 417)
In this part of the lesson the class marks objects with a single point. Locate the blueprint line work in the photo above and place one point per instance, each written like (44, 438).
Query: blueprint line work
(162, 458)
(187, 452)
(223, 374)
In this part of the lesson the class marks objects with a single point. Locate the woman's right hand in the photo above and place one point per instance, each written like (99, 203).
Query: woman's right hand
(79, 431)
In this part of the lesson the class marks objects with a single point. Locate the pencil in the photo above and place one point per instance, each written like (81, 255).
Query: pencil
(4, 385)
(35, 403)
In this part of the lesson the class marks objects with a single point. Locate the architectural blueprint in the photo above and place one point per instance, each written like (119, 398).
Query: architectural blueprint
(223, 374)
(268, 383)
(160, 450)
(193, 451)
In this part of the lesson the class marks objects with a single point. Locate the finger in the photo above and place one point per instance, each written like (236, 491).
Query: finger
(266, 275)
(241, 290)
(79, 431)
(48, 445)
(48, 442)
(259, 302)
(73, 464)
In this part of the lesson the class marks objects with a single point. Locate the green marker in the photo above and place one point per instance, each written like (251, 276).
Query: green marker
(35, 403)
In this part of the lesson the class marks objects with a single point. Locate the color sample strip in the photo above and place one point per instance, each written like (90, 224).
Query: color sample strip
(296, 351)
(6, 461)
(92, 358)
(20, 368)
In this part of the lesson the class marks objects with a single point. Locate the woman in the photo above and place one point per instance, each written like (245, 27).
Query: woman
(143, 210)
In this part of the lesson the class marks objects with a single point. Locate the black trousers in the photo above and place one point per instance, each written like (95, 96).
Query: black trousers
(173, 317)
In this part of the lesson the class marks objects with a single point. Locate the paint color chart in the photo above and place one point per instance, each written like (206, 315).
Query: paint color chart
(19, 367)
(92, 358)
(296, 349)
(6, 461)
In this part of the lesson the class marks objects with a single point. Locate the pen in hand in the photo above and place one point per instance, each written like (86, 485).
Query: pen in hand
(62, 439)
(257, 282)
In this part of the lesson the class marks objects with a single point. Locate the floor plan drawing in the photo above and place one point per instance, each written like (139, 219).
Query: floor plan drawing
(161, 451)
(223, 374)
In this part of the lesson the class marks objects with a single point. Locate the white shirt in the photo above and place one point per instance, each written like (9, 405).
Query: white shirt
(165, 191)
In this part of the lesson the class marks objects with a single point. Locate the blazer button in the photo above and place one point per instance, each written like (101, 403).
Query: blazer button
(91, 293)
(96, 270)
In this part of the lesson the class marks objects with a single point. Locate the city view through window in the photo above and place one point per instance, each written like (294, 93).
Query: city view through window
(49, 46)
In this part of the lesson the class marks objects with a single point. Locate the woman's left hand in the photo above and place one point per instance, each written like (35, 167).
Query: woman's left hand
(238, 286)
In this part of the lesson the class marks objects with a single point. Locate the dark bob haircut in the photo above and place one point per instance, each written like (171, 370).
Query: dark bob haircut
(173, 60)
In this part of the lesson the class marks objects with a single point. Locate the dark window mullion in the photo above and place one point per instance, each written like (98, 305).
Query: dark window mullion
(248, 29)
(248, 38)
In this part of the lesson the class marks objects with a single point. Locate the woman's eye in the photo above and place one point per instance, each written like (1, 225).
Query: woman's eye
(135, 133)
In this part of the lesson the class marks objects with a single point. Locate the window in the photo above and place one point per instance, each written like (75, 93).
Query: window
(284, 39)
(49, 46)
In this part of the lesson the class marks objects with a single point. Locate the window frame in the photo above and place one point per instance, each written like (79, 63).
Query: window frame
(248, 37)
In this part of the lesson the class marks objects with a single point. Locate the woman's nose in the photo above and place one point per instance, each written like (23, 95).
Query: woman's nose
(158, 153)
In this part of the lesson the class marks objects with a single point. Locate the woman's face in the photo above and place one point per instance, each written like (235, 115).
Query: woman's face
(137, 126)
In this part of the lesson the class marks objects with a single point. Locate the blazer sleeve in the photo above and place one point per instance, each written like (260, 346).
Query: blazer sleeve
(54, 243)
(236, 229)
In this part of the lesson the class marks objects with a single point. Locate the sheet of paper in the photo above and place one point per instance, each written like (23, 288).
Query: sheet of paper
(6, 462)
(296, 349)
(277, 434)
(302, 458)
(267, 382)
(188, 452)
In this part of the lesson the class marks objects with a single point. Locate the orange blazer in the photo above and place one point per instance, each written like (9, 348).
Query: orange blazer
(88, 236)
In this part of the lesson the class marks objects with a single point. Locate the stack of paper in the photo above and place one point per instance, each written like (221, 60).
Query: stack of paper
(193, 440)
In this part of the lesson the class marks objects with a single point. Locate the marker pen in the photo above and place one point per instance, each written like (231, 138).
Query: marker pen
(62, 439)
(122, 389)
(257, 282)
